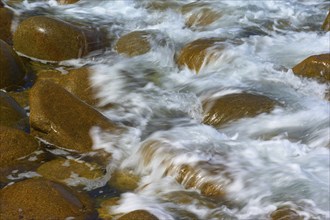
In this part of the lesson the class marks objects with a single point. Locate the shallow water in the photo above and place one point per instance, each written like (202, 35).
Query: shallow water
(265, 162)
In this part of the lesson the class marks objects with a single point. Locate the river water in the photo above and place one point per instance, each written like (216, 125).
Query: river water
(261, 163)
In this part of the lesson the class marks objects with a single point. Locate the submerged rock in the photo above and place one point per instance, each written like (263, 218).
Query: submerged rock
(62, 119)
(54, 40)
(316, 66)
(134, 43)
(12, 114)
(199, 14)
(138, 214)
(326, 23)
(285, 213)
(12, 68)
(6, 18)
(60, 170)
(65, 2)
(199, 52)
(42, 199)
(15, 144)
(210, 180)
(218, 111)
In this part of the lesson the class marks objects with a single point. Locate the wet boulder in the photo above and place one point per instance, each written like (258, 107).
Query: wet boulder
(62, 119)
(210, 180)
(134, 43)
(54, 40)
(199, 14)
(317, 67)
(77, 81)
(138, 214)
(12, 114)
(285, 213)
(219, 111)
(326, 23)
(199, 53)
(124, 181)
(12, 68)
(6, 18)
(104, 209)
(15, 144)
(69, 171)
(65, 2)
(42, 199)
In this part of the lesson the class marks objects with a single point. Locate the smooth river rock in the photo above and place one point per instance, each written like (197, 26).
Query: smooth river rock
(317, 67)
(42, 199)
(134, 43)
(326, 23)
(218, 111)
(138, 214)
(62, 119)
(12, 68)
(60, 170)
(199, 14)
(66, 2)
(14, 145)
(52, 39)
(12, 114)
(199, 52)
(6, 18)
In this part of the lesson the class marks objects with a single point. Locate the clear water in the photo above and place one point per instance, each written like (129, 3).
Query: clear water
(271, 160)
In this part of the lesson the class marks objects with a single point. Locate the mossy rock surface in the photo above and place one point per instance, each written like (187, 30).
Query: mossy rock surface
(54, 40)
(12, 68)
(61, 169)
(62, 119)
(326, 23)
(219, 111)
(12, 114)
(6, 18)
(15, 144)
(316, 67)
(199, 52)
(134, 43)
(42, 199)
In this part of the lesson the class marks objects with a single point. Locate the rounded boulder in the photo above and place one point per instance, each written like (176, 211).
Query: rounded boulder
(53, 40)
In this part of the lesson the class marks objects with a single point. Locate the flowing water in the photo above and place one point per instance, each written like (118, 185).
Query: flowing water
(260, 163)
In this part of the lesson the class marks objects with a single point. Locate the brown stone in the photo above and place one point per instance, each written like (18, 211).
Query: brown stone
(198, 176)
(22, 98)
(42, 199)
(124, 181)
(62, 119)
(235, 106)
(317, 67)
(12, 69)
(134, 43)
(104, 209)
(285, 213)
(65, 2)
(6, 17)
(326, 23)
(77, 81)
(138, 214)
(54, 40)
(12, 114)
(15, 144)
(199, 52)
(199, 14)
(61, 169)
(162, 5)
